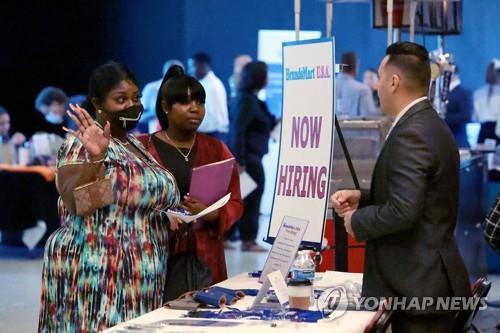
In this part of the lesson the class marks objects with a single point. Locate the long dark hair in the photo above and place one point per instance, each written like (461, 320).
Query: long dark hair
(492, 77)
(103, 79)
(174, 89)
(174, 70)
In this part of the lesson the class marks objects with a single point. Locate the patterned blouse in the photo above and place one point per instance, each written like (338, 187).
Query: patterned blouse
(109, 267)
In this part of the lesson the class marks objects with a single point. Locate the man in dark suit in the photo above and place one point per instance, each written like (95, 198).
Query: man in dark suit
(408, 217)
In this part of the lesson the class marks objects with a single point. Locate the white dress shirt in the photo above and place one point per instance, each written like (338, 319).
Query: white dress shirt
(402, 113)
(216, 115)
(487, 108)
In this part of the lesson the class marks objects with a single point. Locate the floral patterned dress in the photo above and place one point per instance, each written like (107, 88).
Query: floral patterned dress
(109, 267)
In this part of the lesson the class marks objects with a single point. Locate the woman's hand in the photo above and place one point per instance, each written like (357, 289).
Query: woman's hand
(94, 139)
(194, 206)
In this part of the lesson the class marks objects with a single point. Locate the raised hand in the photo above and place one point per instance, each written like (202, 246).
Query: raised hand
(94, 139)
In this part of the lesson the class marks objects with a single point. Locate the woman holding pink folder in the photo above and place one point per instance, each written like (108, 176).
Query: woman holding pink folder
(179, 147)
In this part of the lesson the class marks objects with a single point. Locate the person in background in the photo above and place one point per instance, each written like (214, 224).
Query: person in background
(487, 103)
(108, 266)
(408, 217)
(371, 79)
(459, 109)
(8, 144)
(239, 62)
(74, 99)
(149, 93)
(216, 121)
(179, 147)
(251, 126)
(51, 102)
(17, 138)
(354, 98)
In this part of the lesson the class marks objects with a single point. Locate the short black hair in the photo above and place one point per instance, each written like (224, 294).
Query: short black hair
(202, 58)
(48, 95)
(351, 60)
(105, 78)
(174, 89)
(253, 76)
(413, 61)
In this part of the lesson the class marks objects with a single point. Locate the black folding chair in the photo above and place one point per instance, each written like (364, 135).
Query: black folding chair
(463, 322)
(380, 321)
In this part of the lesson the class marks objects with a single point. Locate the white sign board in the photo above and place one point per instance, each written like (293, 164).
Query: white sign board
(290, 234)
(306, 142)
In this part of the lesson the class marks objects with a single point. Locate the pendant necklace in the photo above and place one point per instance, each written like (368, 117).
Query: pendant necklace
(186, 156)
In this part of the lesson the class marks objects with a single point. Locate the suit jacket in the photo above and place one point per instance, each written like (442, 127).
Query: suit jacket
(458, 113)
(410, 219)
(210, 237)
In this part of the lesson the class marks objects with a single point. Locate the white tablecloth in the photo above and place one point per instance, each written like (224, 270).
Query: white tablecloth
(350, 322)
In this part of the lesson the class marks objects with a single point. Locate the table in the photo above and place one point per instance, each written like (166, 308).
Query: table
(350, 322)
(27, 194)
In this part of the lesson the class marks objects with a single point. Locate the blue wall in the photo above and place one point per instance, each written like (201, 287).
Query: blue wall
(225, 28)
(41, 51)
(144, 34)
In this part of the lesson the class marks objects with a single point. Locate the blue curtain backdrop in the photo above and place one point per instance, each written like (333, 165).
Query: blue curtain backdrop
(226, 28)
(59, 42)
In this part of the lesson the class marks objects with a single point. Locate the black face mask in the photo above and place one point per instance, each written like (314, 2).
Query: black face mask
(127, 118)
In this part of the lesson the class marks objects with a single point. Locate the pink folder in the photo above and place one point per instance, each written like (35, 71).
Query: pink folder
(210, 182)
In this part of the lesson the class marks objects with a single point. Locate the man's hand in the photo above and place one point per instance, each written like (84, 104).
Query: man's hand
(345, 201)
(347, 223)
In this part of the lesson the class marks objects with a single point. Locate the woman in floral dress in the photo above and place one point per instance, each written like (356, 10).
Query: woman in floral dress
(109, 266)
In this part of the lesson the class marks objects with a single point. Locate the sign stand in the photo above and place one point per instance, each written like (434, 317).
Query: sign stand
(340, 238)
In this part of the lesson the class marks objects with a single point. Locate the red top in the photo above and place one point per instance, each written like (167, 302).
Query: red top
(210, 235)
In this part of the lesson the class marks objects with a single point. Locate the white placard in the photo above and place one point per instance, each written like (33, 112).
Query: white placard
(279, 285)
(303, 174)
(283, 252)
(285, 246)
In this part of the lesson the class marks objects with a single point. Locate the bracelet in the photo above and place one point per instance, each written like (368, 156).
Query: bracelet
(98, 161)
